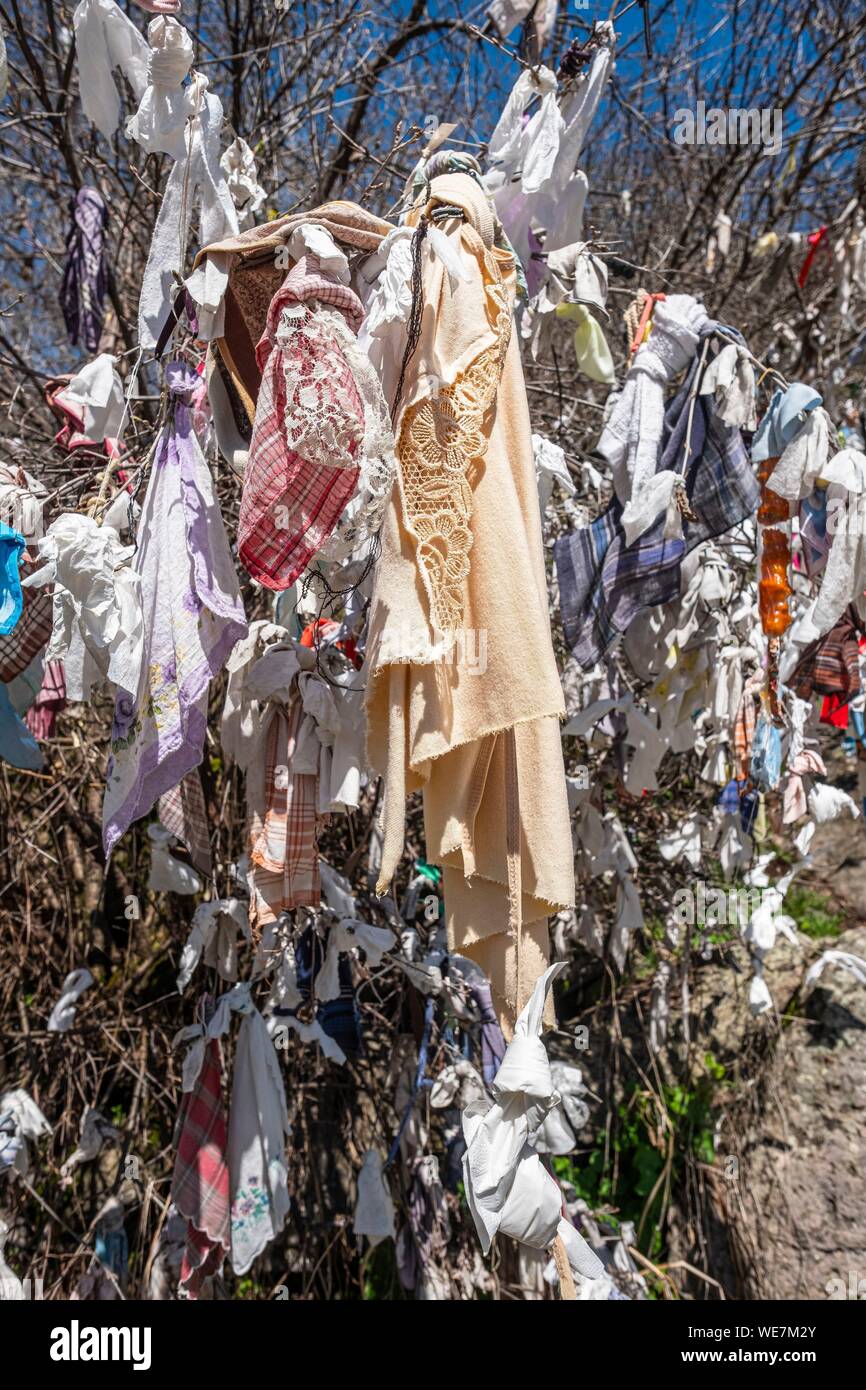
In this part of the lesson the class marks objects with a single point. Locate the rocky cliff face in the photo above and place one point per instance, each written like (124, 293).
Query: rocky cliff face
(793, 1205)
(802, 1228)
(780, 1212)
(802, 1231)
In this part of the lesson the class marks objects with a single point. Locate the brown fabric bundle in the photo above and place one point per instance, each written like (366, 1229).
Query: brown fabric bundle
(255, 275)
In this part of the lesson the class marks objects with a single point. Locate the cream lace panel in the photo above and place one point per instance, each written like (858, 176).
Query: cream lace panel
(326, 374)
(321, 420)
(440, 437)
(376, 458)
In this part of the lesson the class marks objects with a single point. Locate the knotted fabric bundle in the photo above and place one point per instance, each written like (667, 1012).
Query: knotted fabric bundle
(96, 617)
(537, 186)
(604, 582)
(507, 1186)
(159, 125)
(631, 440)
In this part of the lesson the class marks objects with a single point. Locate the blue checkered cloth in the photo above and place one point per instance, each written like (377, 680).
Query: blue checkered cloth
(603, 583)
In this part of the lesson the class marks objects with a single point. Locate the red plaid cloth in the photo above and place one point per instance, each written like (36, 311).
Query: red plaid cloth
(28, 637)
(200, 1185)
(744, 728)
(42, 714)
(283, 832)
(290, 504)
(183, 812)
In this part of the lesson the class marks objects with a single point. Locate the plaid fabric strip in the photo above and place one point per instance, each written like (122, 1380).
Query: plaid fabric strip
(283, 833)
(831, 666)
(290, 505)
(745, 723)
(200, 1184)
(29, 636)
(605, 584)
(183, 812)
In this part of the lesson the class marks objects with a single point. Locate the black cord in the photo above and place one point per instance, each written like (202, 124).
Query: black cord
(413, 331)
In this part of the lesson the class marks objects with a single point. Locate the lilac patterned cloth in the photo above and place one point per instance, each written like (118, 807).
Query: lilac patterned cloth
(193, 615)
(85, 274)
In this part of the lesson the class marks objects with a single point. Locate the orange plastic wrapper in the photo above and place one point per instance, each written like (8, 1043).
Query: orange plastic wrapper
(773, 508)
(774, 588)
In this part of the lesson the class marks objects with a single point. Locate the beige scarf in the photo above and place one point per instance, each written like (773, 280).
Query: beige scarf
(464, 698)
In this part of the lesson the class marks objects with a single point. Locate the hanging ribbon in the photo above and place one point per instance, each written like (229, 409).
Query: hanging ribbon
(814, 239)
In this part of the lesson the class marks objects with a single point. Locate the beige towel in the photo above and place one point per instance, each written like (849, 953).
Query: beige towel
(462, 542)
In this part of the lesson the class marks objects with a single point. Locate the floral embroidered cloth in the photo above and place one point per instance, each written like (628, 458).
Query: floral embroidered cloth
(258, 1129)
(193, 615)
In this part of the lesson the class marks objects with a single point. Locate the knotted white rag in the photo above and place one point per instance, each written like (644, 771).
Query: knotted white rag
(529, 146)
(96, 394)
(104, 40)
(802, 461)
(631, 438)
(97, 622)
(21, 1121)
(374, 1209)
(507, 1187)
(159, 124)
(855, 964)
(63, 1014)
(344, 936)
(214, 935)
(168, 874)
(238, 163)
(844, 574)
(195, 182)
(730, 378)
